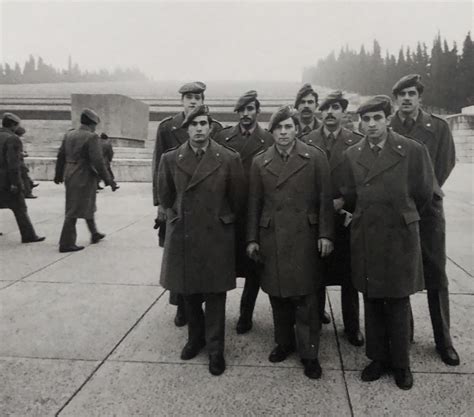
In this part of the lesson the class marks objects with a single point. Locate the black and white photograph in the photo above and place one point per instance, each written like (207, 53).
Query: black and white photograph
(236, 208)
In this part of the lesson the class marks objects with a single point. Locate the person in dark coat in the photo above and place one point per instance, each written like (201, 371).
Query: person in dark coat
(334, 140)
(411, 121)
(108, 155)
(388, 180)
(201, 187)
(11, 184)
(28, 183)
(290, 228)
(306, 103)
(169, 135)
(80, 165)
(248, 138)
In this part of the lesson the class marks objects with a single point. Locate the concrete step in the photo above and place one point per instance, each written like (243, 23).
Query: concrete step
(119, 152)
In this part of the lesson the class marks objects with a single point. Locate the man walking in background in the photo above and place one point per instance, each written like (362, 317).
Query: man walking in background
(169, 135)
(80, 165)
(334, 140)
(247, 138)
(411, 121)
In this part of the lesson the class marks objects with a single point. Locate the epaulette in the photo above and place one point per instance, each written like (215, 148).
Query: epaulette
(355, 132)
(228, 147)
(317, 147)
(260, 152)
(217, 122)
(166, 119)
(435, 116)
(172, 149)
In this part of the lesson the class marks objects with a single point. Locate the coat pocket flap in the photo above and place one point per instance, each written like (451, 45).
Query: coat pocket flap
(227, 218)
(411, 216)
(313, 218)
(265, 221)
(172, 215)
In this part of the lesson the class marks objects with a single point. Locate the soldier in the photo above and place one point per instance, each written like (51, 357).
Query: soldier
(28, 183)
(80, 165)
(108, 155)
(411, 121)
(334, 140)
(169, 135)
(11, 185)
(388, 179)
(290, 228)
(200, 185)
(306, 103)
(248, 139)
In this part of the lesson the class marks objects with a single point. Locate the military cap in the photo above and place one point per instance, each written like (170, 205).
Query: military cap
(334, 97)
(304, 91)
(11, 116)
(194, 87)
(411, 80)
(20, 131)
(91, 115)
(377, 103)
(283, 113)
(201, 110)
(247, 98)
(104, 135)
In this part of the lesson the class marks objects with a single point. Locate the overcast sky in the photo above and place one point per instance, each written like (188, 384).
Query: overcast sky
(218, 40)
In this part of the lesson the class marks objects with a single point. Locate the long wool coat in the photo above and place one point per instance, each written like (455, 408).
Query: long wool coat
(80, 164)
(338, 263)
(289, 209)
(435, 134)
(201, 202)
(169, 135)
(247, 147)
(388, 192)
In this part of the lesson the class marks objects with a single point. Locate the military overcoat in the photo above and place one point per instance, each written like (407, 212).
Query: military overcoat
(169, 135)
(388, 193)
(435, 134)
(108, 154)
(247, 147)
(10, 170)
(201, 202)
(289, 209)
(80, 165)
(338, 263)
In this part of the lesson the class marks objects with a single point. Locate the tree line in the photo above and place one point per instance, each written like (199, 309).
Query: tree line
(448, 75)
(37, 71)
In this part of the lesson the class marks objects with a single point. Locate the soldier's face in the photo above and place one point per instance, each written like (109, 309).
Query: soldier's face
(374, 124)
(284, 133)
(408, 100)
(332, 115)
(198, 130)
(307, 106)
(248, 115)
(190, 101)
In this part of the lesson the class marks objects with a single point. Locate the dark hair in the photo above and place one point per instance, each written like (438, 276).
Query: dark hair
(8, 123)
(202, 95)
(86, 121)
(103, 135)
(418, 85)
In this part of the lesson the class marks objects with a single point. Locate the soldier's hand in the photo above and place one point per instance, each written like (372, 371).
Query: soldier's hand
(57, 181)
(14, 189)
(338, 204)
(161, 216)
(325, 247)
(114, 186)
(252, 250)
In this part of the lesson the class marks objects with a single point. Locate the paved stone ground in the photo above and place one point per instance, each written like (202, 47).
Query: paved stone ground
(91, 333)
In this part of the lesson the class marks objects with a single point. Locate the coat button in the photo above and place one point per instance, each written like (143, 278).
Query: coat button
(367, 184)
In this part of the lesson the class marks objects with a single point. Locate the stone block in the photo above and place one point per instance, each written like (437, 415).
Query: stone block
(121, 116)
(468, 110)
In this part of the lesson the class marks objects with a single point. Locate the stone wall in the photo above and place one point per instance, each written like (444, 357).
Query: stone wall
(462, 127)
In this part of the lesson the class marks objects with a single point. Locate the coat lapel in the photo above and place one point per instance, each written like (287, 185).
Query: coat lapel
(390, 155)
(272, 161)
(343, 141)
(366, 157)
(297, 160)
(185, 159)
(210, 162)
(177, 131)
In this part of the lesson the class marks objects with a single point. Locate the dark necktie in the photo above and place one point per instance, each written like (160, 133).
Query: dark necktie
(285, 156)
(199, 154)
(306, 130)
(376, 150)
(408, 124)
(247, 133)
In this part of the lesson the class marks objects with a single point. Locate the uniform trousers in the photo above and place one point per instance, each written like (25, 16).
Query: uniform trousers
(16, 203)
(387, 330)
(249, 295)
(296, 320)
(207, 326)
(69, 234)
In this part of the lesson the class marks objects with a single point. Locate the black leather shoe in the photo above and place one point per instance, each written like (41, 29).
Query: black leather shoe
(449, 356)
(326, 318)
(312, 368)
(34, 185)
(180, 319)
(373, 371)
(243, 325)
(74, 248)
(216, 364)
(403, 378)
(96, 237)
(280, 353)
(31, 196)
(191, 350)
(355, 338)
(33, 240)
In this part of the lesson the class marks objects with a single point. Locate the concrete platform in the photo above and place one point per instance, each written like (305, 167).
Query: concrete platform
(91, 333)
